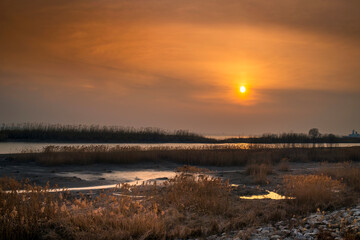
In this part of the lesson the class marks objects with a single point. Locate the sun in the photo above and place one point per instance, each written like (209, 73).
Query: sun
(242, 89)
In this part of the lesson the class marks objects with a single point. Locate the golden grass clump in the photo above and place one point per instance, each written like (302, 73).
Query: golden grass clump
(35, 212)
(260, 172)
(314, 191)
(197, 193)
(113, 217)
(22, 214)
(346, 172)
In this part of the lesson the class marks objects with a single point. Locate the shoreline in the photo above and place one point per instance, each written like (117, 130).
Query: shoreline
(265, 218)
(247, 140)
(105, 174)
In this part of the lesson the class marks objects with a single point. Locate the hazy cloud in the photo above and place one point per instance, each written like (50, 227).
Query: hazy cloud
(178, 64)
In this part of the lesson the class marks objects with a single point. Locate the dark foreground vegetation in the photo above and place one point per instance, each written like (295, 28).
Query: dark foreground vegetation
(234, 155)
(34, 132)
(192, 204)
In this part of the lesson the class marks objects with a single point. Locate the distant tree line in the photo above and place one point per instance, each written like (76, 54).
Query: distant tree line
(94, 133)
(37, 132)
(314, 136)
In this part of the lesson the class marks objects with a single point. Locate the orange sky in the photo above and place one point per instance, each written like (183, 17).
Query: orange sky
(179, 64)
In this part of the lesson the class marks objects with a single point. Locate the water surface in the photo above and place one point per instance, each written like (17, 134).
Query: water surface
(269, 195)
(18, 147)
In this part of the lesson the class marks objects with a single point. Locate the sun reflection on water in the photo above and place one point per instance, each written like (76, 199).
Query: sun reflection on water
(270, 195)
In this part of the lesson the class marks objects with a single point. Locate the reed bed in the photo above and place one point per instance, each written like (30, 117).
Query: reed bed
(259, 172)
(217, 155)
(23, 214)
(190, 205)
(96, 133)
(284, 165)
(345, 172)
(93, 133)
(314, 191)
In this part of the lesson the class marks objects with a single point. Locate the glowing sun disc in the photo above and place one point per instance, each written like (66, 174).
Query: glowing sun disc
(242, 89)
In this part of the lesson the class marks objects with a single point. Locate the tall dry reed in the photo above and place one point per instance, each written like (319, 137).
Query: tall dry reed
(314, 191)
(347, 172)
(233, 155)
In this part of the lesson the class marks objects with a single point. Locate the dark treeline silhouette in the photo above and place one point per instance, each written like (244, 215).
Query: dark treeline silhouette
(294, 138)
(37, 132)
(314, 136)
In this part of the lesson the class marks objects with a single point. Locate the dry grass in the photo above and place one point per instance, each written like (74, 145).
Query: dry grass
(284, 165)
(346, 172)
(314, 191)
(111, 217)
(36, 212)
(197, 193)
(235, 155)
(23, 214)
(259, 172)
(190, 205)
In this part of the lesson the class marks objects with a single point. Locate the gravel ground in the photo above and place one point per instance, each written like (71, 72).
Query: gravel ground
(321, 225)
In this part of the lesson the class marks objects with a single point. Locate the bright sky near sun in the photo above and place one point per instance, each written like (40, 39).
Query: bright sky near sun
(182, 64)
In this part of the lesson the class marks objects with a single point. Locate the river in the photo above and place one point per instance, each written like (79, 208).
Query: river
(18, 147)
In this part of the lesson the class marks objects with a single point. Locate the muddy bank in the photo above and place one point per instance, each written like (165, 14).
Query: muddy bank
(75, 176)
(106, 175)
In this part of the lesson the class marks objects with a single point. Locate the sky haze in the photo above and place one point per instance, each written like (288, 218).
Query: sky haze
(180, 64)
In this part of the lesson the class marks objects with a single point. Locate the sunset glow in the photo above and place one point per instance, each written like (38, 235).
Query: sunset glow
(160, 117)
(175, 65)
